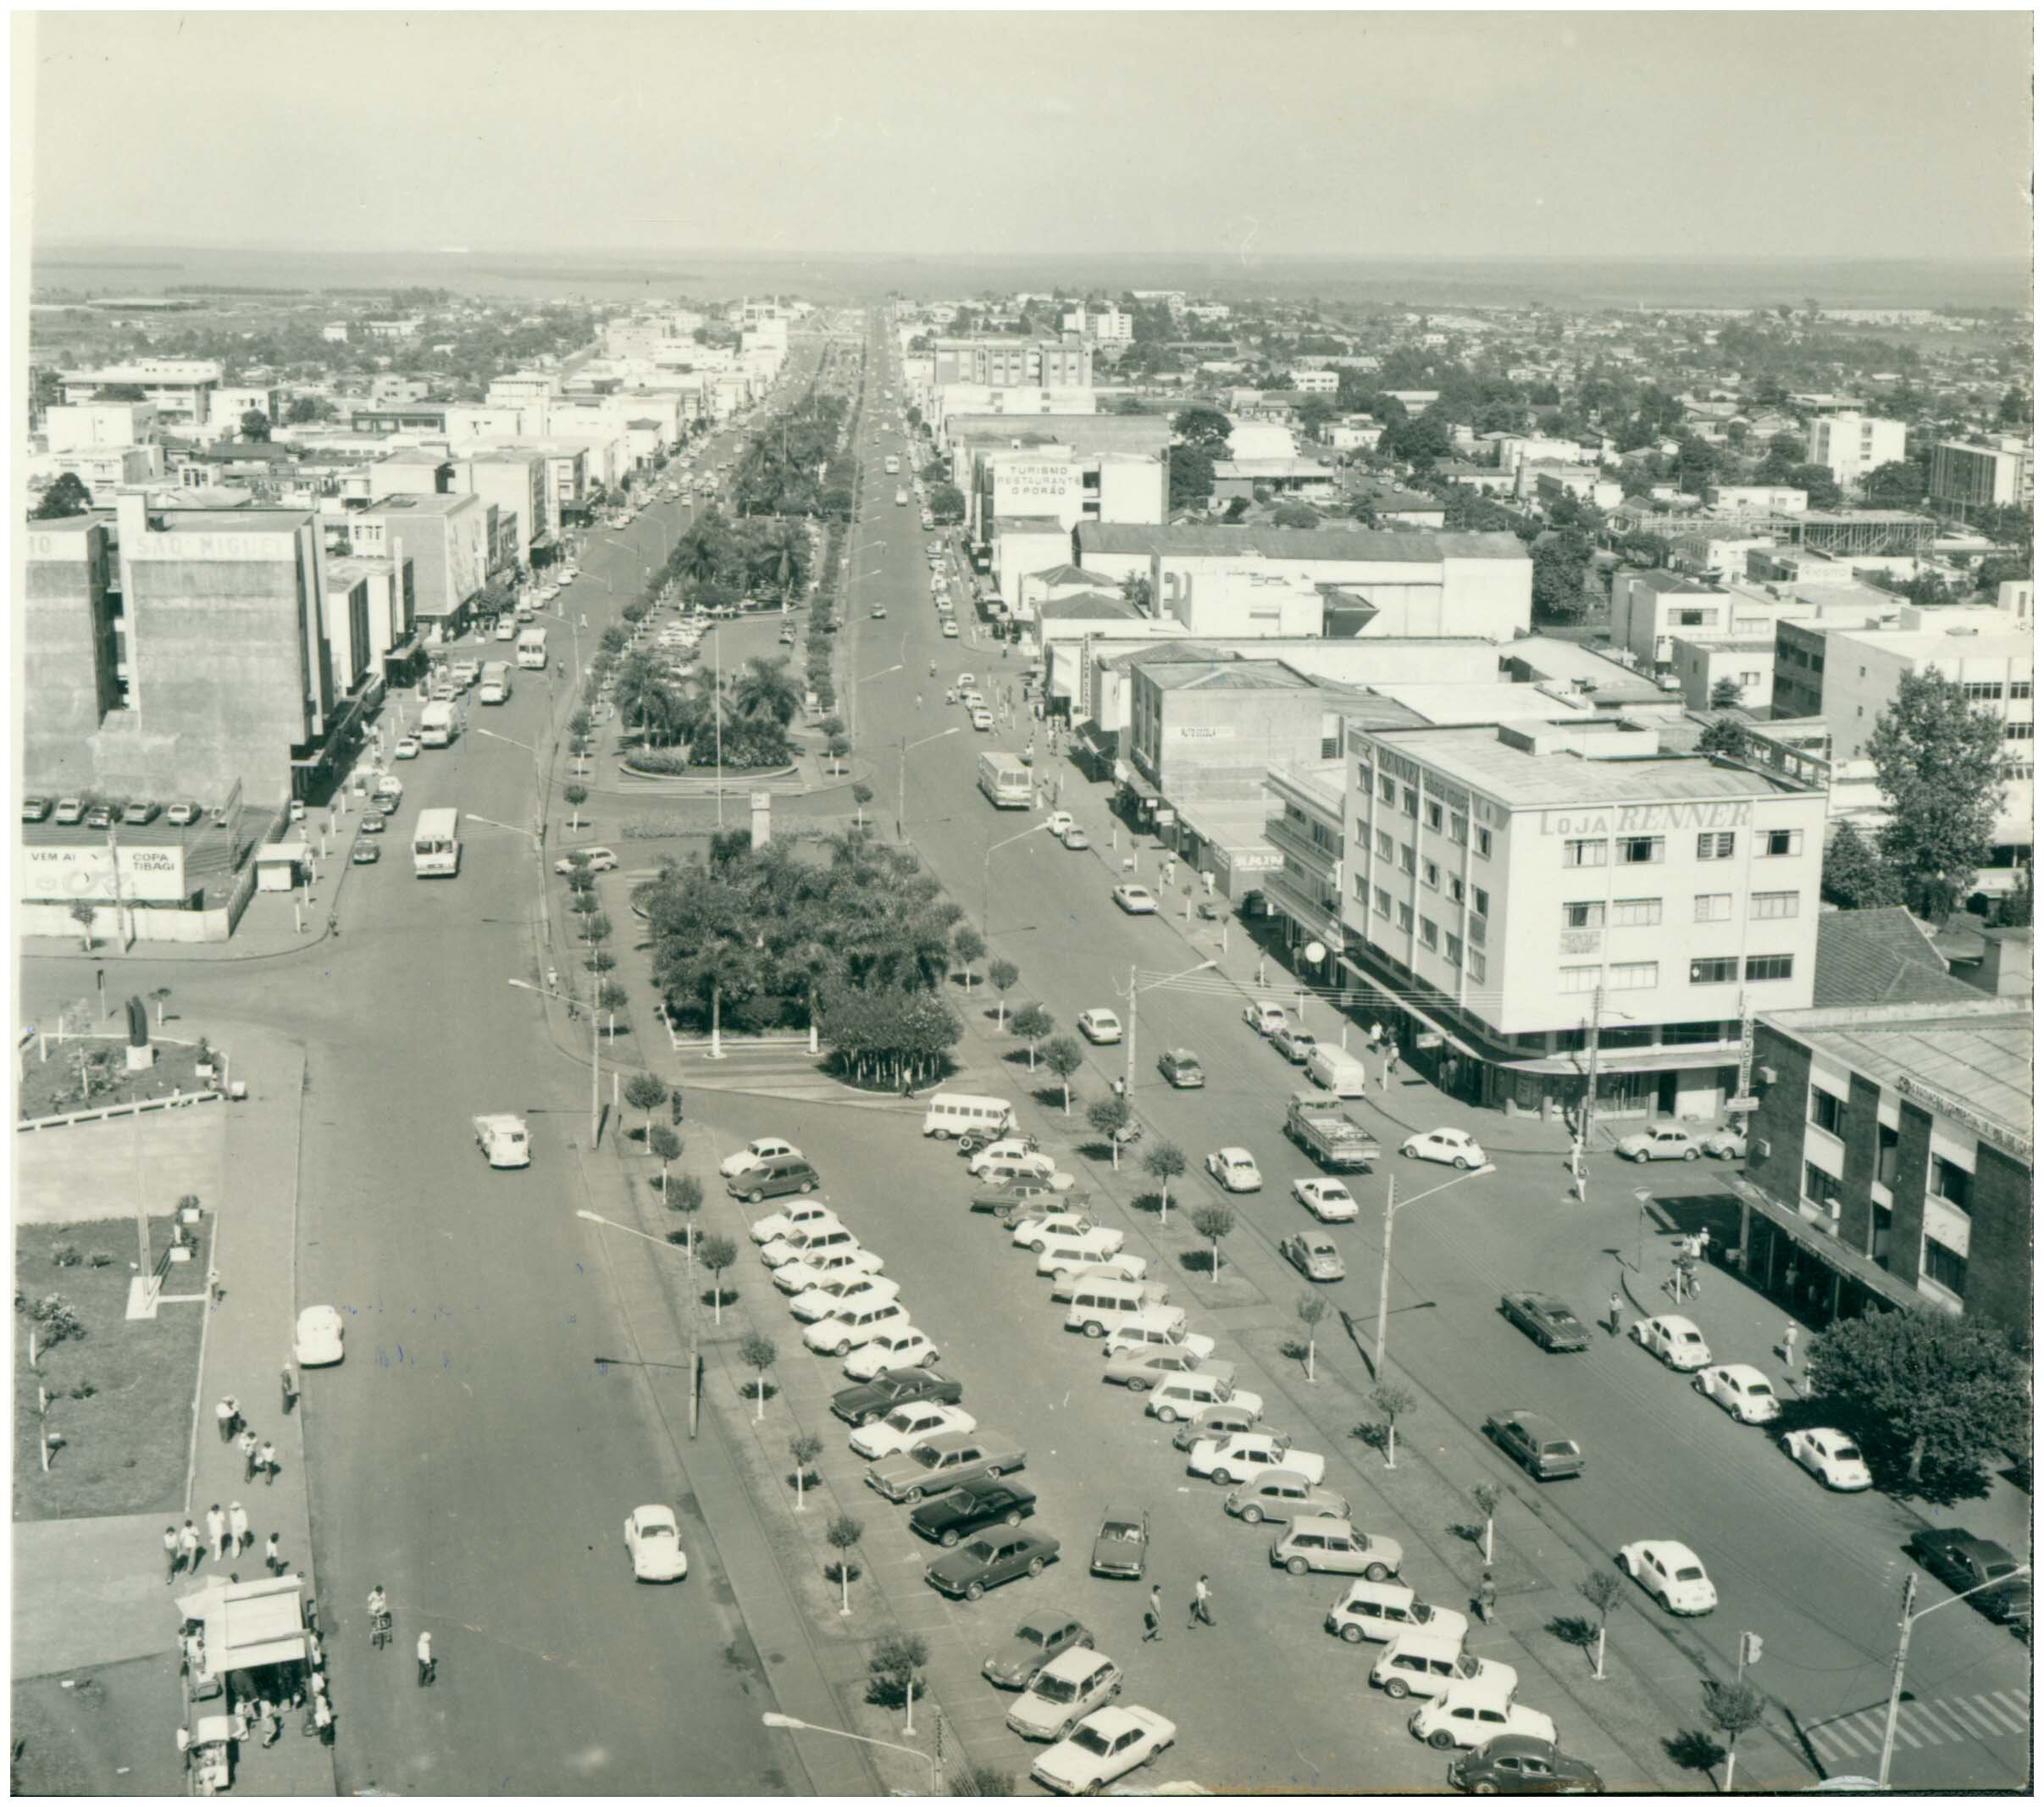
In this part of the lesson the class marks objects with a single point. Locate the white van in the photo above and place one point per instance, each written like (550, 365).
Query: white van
(950, 1114)
(1177, 1396)
(1338, 1071)
(1428, 1663)
(1105, 1304)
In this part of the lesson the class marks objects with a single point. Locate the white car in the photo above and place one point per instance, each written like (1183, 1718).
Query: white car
(907, 1426)
(597, 859)
(972, 699)
(1673, 1573)
(1099, 1026)
(784, 1250)
(1235, 1169)
(1225, 1460)
(1470, 1715)
(763, 1148)
(1068, 1269)
(796, 1278)
(1035, 1232)
(890, 1352)
(840, 1336)
(983, 722)
(950, 630)
(1095, 1239)
(1136, 900)
(799, 1215)
(317, 1342)
(1674, 1339)
(1328, 1200)
(1130, 1338)
(1103, 1747)
(1264, 1018)
(406, 748)
(1743, 1391)
(654, 1540)
(1058, 821)
(839, 1292)
(1456, 1148)
(1832, 1456)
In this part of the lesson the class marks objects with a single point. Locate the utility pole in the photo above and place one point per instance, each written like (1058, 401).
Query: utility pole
(1589, 1096)
(1128, 1085)
(1901, 1662)
(1383, 1280)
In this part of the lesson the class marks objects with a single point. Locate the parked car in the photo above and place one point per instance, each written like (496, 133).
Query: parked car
(1135, 899)
(1103, 1748)
(1962, 1561)
(1314, 1253)
(1039, 1639)
(1728, 1144)
(1742, 1391)
(181, 815)
(1674, 1339)
(1099, 1027)
(100, 815)
(971, 1507)
(1328, 1200)
(1120, 1548)
(1216, 1422)
(1832, 1456)
(1234, 1170)
(1181, 1068)
(1380, 1612)
(796, 1216)
(1016, 1198)
(821, 1266)
(71, 812)
(967, 1571)
(1470, 1715)
(1065, 1690)
(1334, 1546)
(1672, 1572)
(1071, 1268)
(944, 1462)
(1292, 1042)
(908, 1425)
(889, 1351)
(596, 859)
(1456, 1148)
(36, 809)
(1514, 1763)
(1283, 1496)
(1224, 1461)
(1546, 1320)
(139, 813)
(1141, 1369)
(1659, 1142)
(652, 1537)
(1038, 1229)
(1266, 1018)
(1536, 1443)
(318, 1341)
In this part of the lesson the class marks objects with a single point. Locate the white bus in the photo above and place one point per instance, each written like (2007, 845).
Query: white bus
(1005, 781)
(496, 683)
(532, 649)
(436, 847)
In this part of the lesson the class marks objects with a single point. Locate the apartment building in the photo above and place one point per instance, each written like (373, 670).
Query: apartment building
(1849, 444)
(181, 388)
(1999, 473)
(1014, 363)
(1546, 906)
(448, 538)
(1890, 1158)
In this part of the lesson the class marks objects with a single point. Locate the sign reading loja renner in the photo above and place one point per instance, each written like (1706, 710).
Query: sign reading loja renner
(66, 874)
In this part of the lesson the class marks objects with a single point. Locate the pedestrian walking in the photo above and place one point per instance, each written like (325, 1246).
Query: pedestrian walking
(1391, 1059)
(1788, 1344)
(272, 1558)
(289, 1383)
(228, 1416)
(268, 1460)
(216, 1532)
(1618, 1314)
(189, 1545)
(213, 1286)
(1486, 1598)
(1376, 1036)
(425, 1659)
(237, 1526)
(1702, 1244)
(174, 1554)
(250, 1444)
(1152, 1617)
(1202, 1609)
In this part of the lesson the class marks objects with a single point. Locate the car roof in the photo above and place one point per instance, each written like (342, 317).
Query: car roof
(1667, 1550)
(1743, 1371)
(1111, 1721)
(655, 1515)
(1075, 1661)
(1671, 1320)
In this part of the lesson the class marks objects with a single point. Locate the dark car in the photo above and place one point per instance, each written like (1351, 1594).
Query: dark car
(995, 1499)
(966, 1572)
(1514, 1763)
(872, 1401)
(1535, 1443)
(1039, 1637)
(1546, 1320)
(1180, 1067)
(1011, 1199)
(366, 853)
(372, 823)
(1216, 1420)
(1121, 1550)
(1961, 1560)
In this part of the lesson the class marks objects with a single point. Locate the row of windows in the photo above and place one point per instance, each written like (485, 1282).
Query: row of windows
(1709, 906)
(1650, 849)
(1452, 823)
(1725, 971)
(1990, 690)
(1947, 1179)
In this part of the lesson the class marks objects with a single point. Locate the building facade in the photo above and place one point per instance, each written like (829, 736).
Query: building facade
(2000, 474)
(1849, 444)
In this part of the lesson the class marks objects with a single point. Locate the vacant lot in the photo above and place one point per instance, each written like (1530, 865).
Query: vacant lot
(127, 1439)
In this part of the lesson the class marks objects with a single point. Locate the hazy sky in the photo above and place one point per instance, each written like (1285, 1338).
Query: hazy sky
(1598, 135)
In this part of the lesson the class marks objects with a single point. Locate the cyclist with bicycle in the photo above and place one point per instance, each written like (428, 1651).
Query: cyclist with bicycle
(379, 1615)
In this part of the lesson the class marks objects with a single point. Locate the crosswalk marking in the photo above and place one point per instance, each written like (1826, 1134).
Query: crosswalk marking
(1950, 1719)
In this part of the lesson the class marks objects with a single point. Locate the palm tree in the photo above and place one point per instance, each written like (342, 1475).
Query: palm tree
(763, 690)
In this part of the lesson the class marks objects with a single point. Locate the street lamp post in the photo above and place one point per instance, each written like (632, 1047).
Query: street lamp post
(986, 874)
(1128, 1034)
(1902, 1652)
(783, 1722)
(1391, 1208)
(906, 747)
(695, 1312)
(595, 1053)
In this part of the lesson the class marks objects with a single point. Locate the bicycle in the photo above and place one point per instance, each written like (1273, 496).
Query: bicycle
(380, 1632)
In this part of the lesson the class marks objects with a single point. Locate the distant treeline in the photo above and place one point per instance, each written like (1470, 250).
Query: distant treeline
(98, 263)
(226, 288)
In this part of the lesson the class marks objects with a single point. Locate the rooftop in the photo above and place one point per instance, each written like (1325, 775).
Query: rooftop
(435, 504)
(1090, 605)
(1881, 956)
(1234, 675)
(1520, 778)
(1346, 545)
(1566, 661)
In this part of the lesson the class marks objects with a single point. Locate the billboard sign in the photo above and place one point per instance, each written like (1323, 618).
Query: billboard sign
(67, 874)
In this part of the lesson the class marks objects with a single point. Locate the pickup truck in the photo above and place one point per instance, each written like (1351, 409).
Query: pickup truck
(1328, 1133)
(503, 1138)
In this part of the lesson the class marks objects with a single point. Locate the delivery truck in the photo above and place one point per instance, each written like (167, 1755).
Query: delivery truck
(1329, 1134)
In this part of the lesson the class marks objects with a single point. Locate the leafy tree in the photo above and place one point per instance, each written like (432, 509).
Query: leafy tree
(1214, 1222)
(1296, 514)
(1063, 1056)
(68, 495)
(896, 1666)
(763, 691)
(645, 1092)
(971, 948)
(1207, 428)
(758, 1353)
(307, 409)
(861, 794)
(1726, 694)
(1937, 761)
(1236, 510)
(120, 392)
(1032, 1023)
(1603, 1590)
(1395, 1401)
(665, 1147)
(2015, 409)
(1003, 976)
(83, 913)
(716, 1254)
(844, 1534)
(1560, 561)
(1109, 1117)
(1938, 1393)
(1488, 1495)
(1817, 481)
(1722, 735)
(1900, 484)
(1733, 1707)
(1192, 475)
(947, 504)
(577, 795)
(255, 425)
(685, 1196)
(2017, 905)
(1855, 875)
(1165, 1162)
(804, 1447)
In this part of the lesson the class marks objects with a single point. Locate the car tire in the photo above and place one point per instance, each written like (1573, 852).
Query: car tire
(1377, 1572)
(974, 1591)
(949, 1539)
(941, 1135)
(755, 1197)
(1037, 1247)
(1441, 1740)
(1296, 1565)
(928, 1360)
(1011, 1517)
(1252, 1515)
(843, 1348)
(1221, 1477)
(1352, 1634)
(1167, 1413)
(1406, 1150)
(1461, 1163)
(1397, 1688)
(1096, 1330)
(1689, 1154)
(807, 1186)
(1139, 1385)
(1639, 1158)
(1485, 1786)
(1035, 1567)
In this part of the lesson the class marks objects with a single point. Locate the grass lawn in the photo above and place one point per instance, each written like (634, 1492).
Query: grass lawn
(53, 1087)
(108, 1734)
(126, 1447)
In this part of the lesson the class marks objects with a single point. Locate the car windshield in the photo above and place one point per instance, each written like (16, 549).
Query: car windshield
(925, 1455)
(1116, 1533)
(981, 1551)
(1032, 1634)
(1055, 1688)
(1560, 1449)
(1088, 1740)
(903, 1421)
(1995, 1568)
(1689, 1571)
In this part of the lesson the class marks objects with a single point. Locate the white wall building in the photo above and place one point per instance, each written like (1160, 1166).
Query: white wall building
(1850, 444)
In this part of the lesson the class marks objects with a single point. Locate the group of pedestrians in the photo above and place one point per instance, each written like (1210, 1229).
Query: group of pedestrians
(1199, 1611)
(258, 1453)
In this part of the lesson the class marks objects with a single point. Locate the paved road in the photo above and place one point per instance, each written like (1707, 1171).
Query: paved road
(1819, 1576)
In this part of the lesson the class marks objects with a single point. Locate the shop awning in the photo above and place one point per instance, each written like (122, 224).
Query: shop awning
(1831, 1250)
(250, 1624)
(1127, 774)
(1576, 1062)
(1397, 1002)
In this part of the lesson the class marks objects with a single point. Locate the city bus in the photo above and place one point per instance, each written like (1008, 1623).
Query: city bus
(1005, 781)
(436, 847)
(532, 649)
(497, 682)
